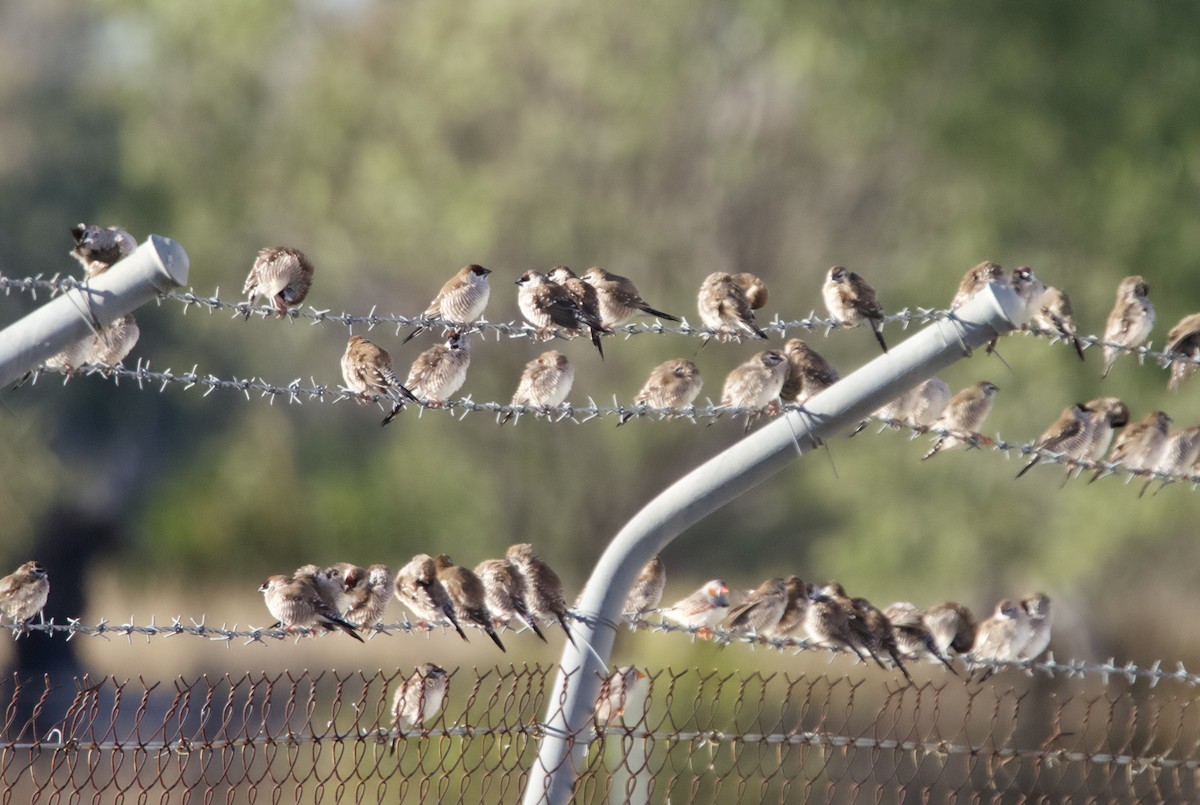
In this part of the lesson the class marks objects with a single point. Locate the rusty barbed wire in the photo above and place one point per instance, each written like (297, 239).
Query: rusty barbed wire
(687, 735)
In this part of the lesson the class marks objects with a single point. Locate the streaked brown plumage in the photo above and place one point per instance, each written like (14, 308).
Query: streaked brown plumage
(647, 590)
(588, 301)
(795, 608)
(827, 623)
(546, 305)
(1056, 316)
(467, 594)
(1067, 435)
(952, 626)
(325, 581)
(761, 610)
(975, 281)
(672, 384)
(367, 596)
(545, 383)
(296, 604)
(461, 299)
(97, 248)
(724, 307)
(543, 588)
(851, 301)
(807, 372)
(417, 587)
(965, 414)
(504, 589)
(705, 607)
(281, 274)
(1140, 446)
(755, 289)
(419, 699)
(23, 592)
(1179, 456)
(1184, 341)
(1131, 319)
(619, 298)
(441, 370)
(107, 346)
(367, 371)
(912, 636)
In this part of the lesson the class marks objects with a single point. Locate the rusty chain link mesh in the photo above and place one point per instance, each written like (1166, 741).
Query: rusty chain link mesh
(699, 736)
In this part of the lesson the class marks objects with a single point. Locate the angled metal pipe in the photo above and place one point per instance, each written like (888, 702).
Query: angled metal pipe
(568, 723)
(157, 266)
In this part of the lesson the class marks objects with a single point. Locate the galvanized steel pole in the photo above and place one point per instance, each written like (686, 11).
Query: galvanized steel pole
(157, 266)
(568, 724)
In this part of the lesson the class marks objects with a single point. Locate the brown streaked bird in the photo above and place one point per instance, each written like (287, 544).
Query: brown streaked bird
(755, 289)
(1183, 343)
(952, 626)
(467, 594)
(1001, 638)
(827, 623)
(1068, 435)
(725, 309)
(1130, 321)
(1056, 316)
(1106, 416)
(975, 281)
(1029, 289)
(588, 301)
(761, 610)
(755, 384)
(872, 626)
(1179, 456)
(324, 582)
(545, 304)
(504, 589)
(620, 691)
(544, 384)
(440, 371)
(917, 408)
(1141, 445)
(417, 587)
(98, 248)
(913, 638)
(851, 301)
(368, 597)
(419, 699)
(296, 604)
(704, 608)
(281, 274)
(1041, 619)
(107, 346)
(964, 414)
(619, 298)
(807, 372)
(543, 589)
(23, 592)
(672, 384)
(647, 590)
(795, 608)
(461, 300)
(367, 371)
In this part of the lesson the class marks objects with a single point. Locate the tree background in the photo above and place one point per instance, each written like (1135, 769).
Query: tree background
(395, 142)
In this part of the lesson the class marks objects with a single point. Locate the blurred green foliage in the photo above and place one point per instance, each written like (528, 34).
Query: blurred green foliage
(396, 142)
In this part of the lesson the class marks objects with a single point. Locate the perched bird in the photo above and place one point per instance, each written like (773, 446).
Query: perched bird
(467, 594)
(296, 604)
(807, 372)
(724, 307)
(546, 305)
(439, 371)
(1056, 316)
(108, 346)
(917, 408)
(912, 636)
(622, 690)
(1131, 319)
(326, 582)
(952, 626)
(367, 597)
(851, 301)
(1105, 416)
(647, 590)
(544, 384)
(975, 281)
(827, 623)
(761, 610)
(1029, 289)
(23, 592)
(1037, 608)
(543, 589)
(755, 384)
(1001, 637)
(367, 371)
(964, 414)
(461, 300)
(1140, 446)
(702, 609)
(97, 248)
(346, 579)
(417, 587)
(1183, 341)
(868, 625)
(672, 384)
(504, 594)
(587, 299)
(794, 609)
(1069, 435)
(619, 298)
(1180, 454)
(419, 699)
(283, 275)
(755, 289)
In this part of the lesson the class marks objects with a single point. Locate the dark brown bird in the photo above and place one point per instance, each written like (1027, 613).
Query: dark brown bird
(98, 248)
(1067, 435)
(827, 623)
(23, 593)
(619, 298)
(851, 301)
(1183, 344)
(505, 594)
(647, 590)
(467, 594)
(546, 305)
(588, 301)
(418, 588)
(461, 300)
(296, 604)
(913, 637)
(761, 610)
(367, 371)
(283, 275)
(794, 610)
(1056, 316)
(807, 373)
(543, 589)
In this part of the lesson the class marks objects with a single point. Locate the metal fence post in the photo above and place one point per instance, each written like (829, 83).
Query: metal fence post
(157, 266)
(734, 471)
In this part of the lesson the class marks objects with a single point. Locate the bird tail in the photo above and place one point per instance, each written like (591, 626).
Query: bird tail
(413, 334)
(345, 627)
(658, 313)
(450, 616)
(1078, 348)
(933, 451)
(562, 619)
(1029, 466)
(532, 623)
(491, 632)
(877, 328)
(596, 341)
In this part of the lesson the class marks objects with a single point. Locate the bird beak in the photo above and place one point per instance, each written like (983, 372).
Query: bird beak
(640, 674)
